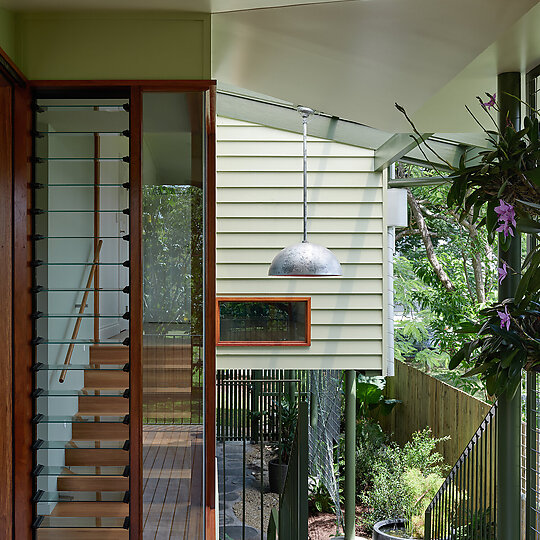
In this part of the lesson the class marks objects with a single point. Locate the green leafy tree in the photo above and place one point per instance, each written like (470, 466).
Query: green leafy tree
(445, 270)
(173, 258)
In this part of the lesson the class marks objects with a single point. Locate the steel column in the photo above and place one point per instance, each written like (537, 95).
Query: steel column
(350, 453)
(509, 410)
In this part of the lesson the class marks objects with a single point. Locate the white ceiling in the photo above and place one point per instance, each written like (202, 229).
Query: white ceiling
(356, 59)
(201, 6)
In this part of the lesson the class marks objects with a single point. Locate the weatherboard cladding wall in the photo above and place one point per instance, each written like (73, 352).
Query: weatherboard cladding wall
(259, 211)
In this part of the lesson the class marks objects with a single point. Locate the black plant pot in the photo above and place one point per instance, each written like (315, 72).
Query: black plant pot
(277, 473)
(379, 529)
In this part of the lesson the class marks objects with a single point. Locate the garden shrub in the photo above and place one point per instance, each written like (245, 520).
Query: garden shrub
(370, 442)
(398, 474)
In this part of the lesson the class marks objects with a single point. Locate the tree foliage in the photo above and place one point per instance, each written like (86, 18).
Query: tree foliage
(173, 258)
(432, 311)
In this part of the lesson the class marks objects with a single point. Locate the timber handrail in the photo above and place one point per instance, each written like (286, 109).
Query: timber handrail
(81, 311)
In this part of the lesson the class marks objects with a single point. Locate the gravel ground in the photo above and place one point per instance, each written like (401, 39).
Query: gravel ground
(321, 526)
(253, 494)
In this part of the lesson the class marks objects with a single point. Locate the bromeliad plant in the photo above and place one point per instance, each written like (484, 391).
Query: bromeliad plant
(501, 191)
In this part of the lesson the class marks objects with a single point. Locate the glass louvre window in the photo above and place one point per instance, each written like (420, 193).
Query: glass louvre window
(81, 298)
(264, 321)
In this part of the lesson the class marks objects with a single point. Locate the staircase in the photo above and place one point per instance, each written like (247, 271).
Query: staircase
(92, 489)
(91, 499)
(167, 381)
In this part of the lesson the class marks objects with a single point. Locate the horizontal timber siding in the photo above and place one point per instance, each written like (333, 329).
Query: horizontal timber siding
(259, 212)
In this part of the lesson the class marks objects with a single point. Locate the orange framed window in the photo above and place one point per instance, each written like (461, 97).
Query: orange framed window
(263, 321)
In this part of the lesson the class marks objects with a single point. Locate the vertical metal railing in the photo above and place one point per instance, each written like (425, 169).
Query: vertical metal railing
(242, 391)
(253, 419)
(532, 454)
(465, 507)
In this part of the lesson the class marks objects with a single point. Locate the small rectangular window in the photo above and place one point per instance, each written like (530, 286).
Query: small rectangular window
(264, 321)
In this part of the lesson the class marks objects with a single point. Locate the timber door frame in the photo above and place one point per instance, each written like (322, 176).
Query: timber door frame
(22, 283)
(15, 299)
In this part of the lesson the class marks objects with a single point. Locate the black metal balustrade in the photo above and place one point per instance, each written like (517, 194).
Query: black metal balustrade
(532, 456)
(465, 507)
(254, 413)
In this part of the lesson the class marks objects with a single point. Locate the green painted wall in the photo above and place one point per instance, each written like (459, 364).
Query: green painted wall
(8, 32)
(114, 46)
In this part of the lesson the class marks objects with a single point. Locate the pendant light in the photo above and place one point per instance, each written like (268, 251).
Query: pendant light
(305, 259)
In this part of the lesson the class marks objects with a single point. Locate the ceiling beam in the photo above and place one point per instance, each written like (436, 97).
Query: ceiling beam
(418, 181)
(395, 148)
(441, 154)
(285, 116)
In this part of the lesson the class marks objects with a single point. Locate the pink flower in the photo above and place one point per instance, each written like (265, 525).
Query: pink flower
(503, 272)
(505, 318)
(505, 228)
(507, 218)
(491, 102)
(506, 212)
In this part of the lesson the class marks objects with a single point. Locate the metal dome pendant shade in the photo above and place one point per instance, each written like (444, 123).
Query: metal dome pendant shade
(305, 259)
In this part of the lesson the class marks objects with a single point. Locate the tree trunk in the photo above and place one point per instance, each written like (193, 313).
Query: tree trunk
(432, 258)
(476, 261)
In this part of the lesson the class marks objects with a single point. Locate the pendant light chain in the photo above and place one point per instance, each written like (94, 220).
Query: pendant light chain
(305, 121)
(306, 112)
(305, 259)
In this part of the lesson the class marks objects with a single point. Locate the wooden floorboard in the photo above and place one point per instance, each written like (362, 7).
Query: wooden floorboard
(169, 504)
(172, 482)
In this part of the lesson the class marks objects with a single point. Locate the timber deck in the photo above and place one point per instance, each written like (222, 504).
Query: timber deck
(172, 482)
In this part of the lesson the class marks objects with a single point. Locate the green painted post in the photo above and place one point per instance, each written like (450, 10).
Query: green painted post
(509, 410)
(350, 453)
(531, 422)
(303, 459)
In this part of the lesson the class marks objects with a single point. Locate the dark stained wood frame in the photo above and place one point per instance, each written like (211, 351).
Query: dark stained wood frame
(16, 330)
(22, 310)
(10, 71)
(134, 88)
(304, 343)
(22, 429)
(136, 315)
(210, 317)
(6, 305)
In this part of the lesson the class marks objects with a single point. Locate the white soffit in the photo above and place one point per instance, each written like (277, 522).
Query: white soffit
(518, 49)
(355, 59)
(201, 6)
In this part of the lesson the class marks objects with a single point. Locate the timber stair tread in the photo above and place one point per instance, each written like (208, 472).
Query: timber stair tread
(97, 379)
(166, 367)
(91, 509)
(96, 431)
(109, 354)
(92, 483)
(166, 390)
(82, 533)
(159, 415)
(97, 405)
(112, 457)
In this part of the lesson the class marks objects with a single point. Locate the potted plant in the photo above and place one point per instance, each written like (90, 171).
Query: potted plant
(405, 480)
(418, 491)
(287, 411)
